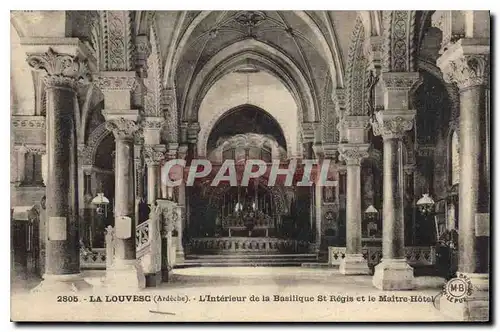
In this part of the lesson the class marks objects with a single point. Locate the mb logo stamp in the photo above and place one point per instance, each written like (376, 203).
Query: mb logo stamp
(458, 289)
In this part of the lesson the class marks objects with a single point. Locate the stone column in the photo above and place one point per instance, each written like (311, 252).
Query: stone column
(466, 63)
(153, 155)
(393, 272)
(61, 72)
(181, 221)
(354, 263)
(125, 273)
(21, 163)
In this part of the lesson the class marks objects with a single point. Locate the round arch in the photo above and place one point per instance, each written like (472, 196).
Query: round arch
(263, 56)
(268, 93)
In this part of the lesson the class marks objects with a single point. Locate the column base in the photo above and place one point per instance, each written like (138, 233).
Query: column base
(472, 308)
(153, 279)
(165, 275)
(179, 256)
(126, 275)
(62, 283)
(393, 274)
(354, 264)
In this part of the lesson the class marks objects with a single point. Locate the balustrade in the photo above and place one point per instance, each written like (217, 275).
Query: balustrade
(246, 245)
(414, 255)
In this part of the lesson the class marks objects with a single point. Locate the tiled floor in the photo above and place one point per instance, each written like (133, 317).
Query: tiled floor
(350, 296)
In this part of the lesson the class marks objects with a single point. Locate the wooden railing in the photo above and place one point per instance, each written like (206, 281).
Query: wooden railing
(415, 255)
(216, 245)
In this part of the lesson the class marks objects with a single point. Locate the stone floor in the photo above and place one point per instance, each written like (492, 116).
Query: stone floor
(190, 285)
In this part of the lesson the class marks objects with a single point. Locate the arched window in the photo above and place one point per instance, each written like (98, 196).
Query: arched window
(455, 159)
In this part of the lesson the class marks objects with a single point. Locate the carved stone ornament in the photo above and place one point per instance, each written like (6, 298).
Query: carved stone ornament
(154, 154)
(153, 122)
(468, 71)
(115, 82)
(399, 47)
(249, 18)
(61, 69)
(28, 122)
(393, 125)
(122, 128)
(31, 148)
(353, 154)
(401, 81)
(85, 154)
(355, 122)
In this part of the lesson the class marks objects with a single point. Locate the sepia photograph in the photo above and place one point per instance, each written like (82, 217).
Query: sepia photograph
(250, 166)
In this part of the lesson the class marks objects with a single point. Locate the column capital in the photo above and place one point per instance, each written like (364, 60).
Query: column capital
(151, 126)
(409, 168)
(466, 63)
(172, 150)
(33, 148)
(404, 81)
(154, 154)
(193, 128)
(61, 69)
(183, 149)
(122, 127)
(309, 131)
(393, 123)
(353, 154)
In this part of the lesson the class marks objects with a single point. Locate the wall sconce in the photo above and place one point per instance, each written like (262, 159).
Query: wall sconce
(426, 204)
(101, 203)
(371, 212)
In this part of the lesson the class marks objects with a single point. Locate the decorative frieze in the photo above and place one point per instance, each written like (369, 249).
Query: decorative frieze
(393, 123)
(399, 46)
(353, 154)
(404, 81)
(118, 48)
(28, 122)
(118, 82)
(61, 69)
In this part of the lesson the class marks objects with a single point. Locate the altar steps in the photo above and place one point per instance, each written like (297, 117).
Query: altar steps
(248, 260)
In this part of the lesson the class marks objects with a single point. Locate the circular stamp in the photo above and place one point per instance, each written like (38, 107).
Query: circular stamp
(458, 289)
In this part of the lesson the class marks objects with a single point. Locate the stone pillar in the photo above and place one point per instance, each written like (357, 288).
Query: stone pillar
(21, 163)
(393, 272)
(183, 206)
(125, 273)
(61, 72)
(466, 63)
(354, 263)
(166, 210)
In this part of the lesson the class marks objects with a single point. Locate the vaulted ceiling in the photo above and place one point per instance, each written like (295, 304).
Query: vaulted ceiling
(316, 43)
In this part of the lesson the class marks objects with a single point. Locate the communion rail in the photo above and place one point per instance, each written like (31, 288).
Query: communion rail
(415, 255)
(242, 245)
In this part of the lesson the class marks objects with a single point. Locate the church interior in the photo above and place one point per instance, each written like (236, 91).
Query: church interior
(398, 101)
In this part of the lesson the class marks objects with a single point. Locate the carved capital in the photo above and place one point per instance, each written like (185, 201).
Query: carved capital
(154, 154)
(122, 128)
(61, 70)
(393, 123)
(467, 70)
(85, 154)
(353, 154)
(405, 81)
(31, 148)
